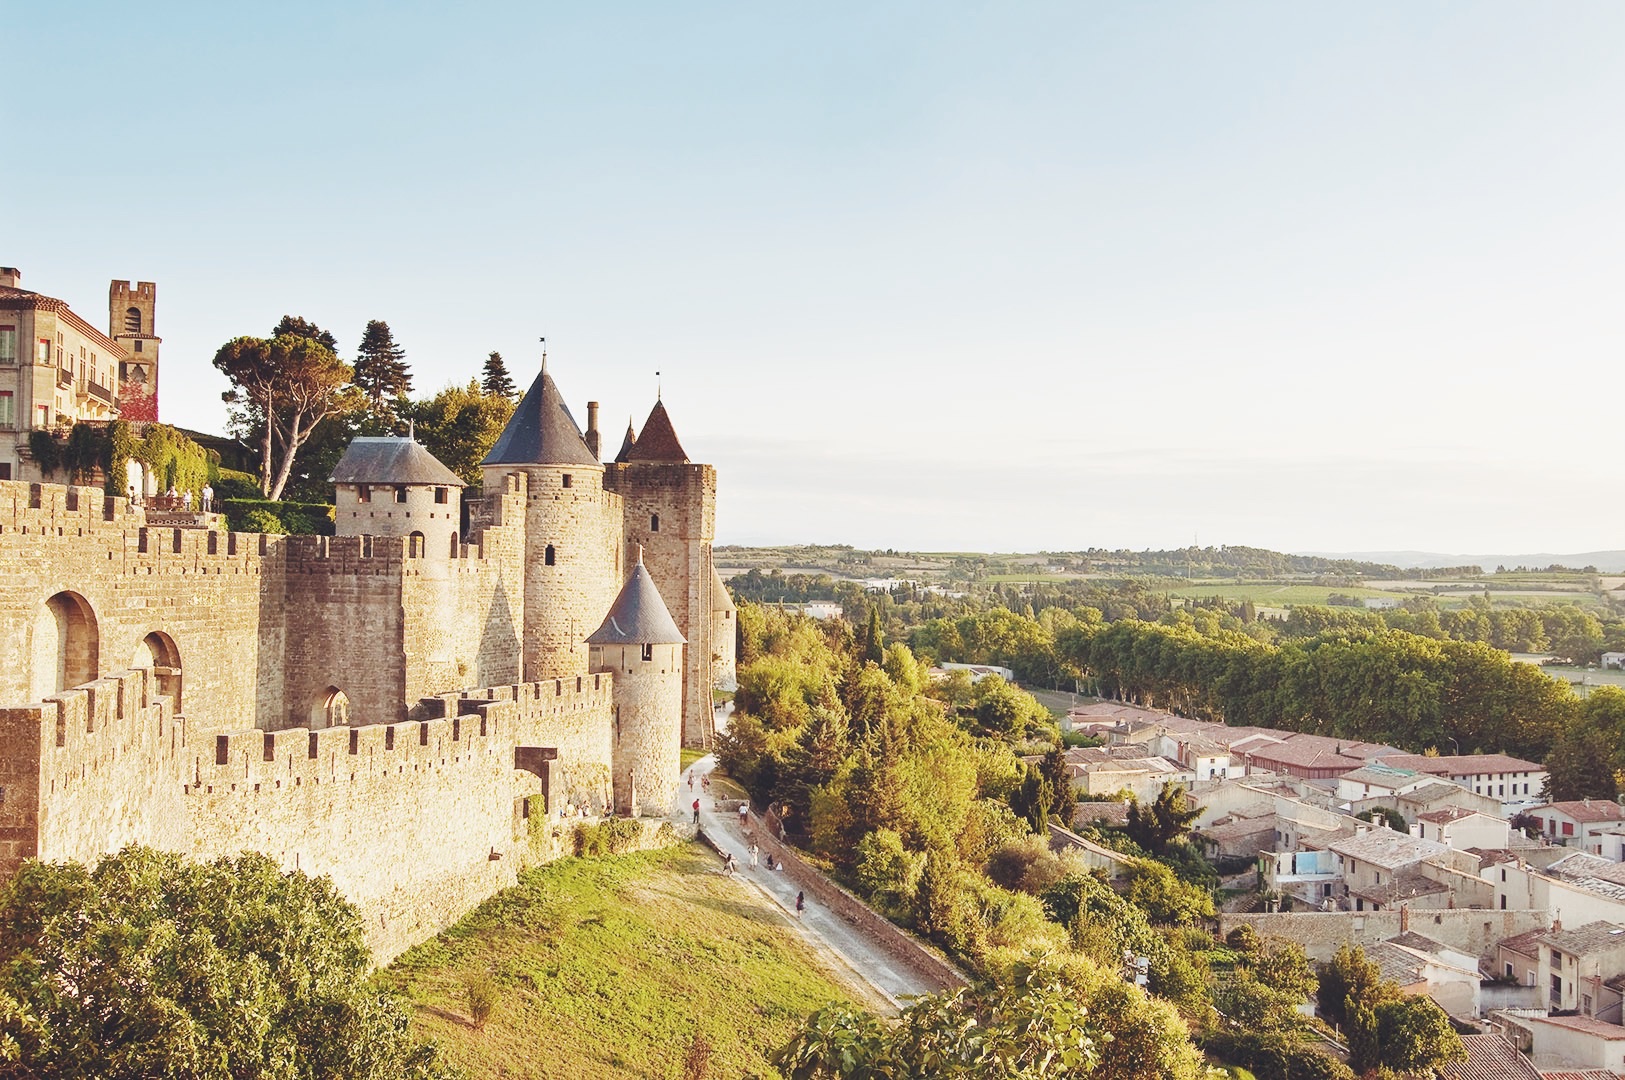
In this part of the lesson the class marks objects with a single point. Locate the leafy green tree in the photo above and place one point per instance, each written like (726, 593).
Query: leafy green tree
(380, 367)
(497, 382)
(1033, 1029)
(1409, 1035)
(1349, 979)
(1582, 765)
(1167, 819)
(1166, 900)
(886, 871)
(459, 425)
(149, 965)
(282, 389)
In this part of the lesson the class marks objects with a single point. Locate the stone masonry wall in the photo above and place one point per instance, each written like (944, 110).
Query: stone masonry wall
(1467, 930)
(89, 771)
(204, 590)
(678, 556)
(416, 821)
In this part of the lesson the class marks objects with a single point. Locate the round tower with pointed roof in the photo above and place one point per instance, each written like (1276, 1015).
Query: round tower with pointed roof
(392, 486)
(573, 529)
(639, 643)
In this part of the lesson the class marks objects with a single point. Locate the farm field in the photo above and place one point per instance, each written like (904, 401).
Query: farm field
(607, 968)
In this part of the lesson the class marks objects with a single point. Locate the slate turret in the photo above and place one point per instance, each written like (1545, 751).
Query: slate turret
(640, 643)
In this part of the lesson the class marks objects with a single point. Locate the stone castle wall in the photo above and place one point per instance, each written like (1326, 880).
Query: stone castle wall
(417, 812)
(206, 591)
(678, 555)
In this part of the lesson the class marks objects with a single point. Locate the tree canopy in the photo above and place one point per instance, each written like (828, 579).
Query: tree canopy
(496, 380)
(150, 965)
(283, 387)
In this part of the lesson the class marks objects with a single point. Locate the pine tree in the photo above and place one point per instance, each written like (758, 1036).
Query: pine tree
(874, 647)
(302, 327)
(380, 366)
(497, 381)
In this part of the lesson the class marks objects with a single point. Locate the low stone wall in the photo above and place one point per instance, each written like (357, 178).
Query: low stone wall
(1469, 930)
(897, 943)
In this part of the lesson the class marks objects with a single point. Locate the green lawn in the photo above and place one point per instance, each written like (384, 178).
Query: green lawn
(607, 967)
(688, 755)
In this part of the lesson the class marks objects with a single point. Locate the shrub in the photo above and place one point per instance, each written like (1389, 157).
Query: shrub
(260, 521)
(615, 836)
(483, 994)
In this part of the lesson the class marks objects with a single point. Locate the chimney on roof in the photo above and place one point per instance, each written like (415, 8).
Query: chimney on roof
(11, 277)
(592, 436)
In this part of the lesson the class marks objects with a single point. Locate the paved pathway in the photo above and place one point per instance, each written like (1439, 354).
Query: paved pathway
(828, 934)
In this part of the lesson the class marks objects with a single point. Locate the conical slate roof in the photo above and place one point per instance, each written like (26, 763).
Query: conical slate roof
(638, 616)
(541, 432)
(721, 599)
(627, 443)
(391, 460)
(658, 441)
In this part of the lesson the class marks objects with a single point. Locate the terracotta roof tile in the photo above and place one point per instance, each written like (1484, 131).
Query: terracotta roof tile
(1489, 1057)
(658, 442)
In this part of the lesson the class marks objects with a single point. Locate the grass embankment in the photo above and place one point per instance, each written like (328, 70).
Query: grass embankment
(607, 967)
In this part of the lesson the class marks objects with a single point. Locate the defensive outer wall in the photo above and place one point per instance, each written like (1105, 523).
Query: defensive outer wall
(208, 724)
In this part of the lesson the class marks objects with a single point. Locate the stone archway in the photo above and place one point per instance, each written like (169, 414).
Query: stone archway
(158, 653)
(65, 646)
(331, 708)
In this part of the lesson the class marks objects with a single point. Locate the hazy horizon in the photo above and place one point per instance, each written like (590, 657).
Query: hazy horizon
(922, 276)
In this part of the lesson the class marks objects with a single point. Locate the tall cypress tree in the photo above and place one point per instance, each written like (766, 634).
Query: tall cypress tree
(380, 366)
(497, 381)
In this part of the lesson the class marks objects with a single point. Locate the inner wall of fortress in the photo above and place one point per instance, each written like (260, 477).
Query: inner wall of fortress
(352, 706)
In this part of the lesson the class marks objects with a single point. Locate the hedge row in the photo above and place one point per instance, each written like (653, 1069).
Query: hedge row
(265, 516)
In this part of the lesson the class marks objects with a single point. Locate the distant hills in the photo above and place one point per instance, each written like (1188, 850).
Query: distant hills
(1609, 562)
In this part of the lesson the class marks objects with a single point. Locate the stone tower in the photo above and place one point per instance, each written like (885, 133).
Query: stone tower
(573, 546)
(642, 646)
(130, 322)
(394, 487)
(670, 506)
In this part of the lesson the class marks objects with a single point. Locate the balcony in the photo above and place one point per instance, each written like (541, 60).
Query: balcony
(99, 391)
(64, 378)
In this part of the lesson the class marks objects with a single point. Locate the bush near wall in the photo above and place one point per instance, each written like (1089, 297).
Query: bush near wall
(292, 518)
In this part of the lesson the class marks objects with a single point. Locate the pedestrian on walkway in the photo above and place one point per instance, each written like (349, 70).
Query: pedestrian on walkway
(744, 813)
(801, 903)
(691, 781)
(208, 498)
(753, 856)
(728, 864)
(696, 811)
(705, 781)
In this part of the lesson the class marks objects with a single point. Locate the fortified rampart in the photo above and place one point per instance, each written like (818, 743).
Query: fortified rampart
(261, 687)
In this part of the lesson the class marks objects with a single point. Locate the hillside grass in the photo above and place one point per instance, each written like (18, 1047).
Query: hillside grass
(606, 967)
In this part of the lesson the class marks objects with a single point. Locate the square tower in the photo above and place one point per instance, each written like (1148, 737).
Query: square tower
(130, 322)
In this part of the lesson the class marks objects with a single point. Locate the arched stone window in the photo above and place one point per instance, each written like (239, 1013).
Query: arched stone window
(157, 653)
(65, 645)
(132, 320)
(415, 544)
(549, 557)
(331, 708)
(654, 522)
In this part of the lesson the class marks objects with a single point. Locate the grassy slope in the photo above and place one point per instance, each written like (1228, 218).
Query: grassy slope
(607, 966)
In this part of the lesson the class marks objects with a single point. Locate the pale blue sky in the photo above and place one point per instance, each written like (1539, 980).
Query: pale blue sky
(946, 276)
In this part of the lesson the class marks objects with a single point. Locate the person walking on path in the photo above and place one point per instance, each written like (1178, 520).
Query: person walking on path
(753, 856)
(691, 781)
(696, 811)
(744, 813)
(801, 903)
